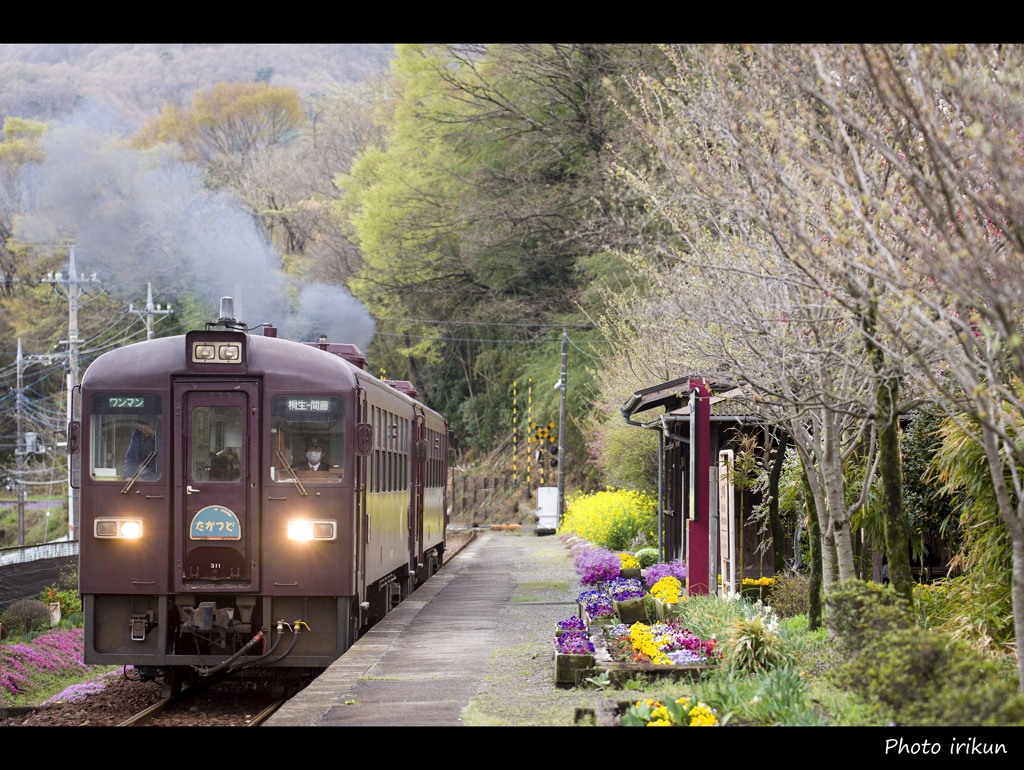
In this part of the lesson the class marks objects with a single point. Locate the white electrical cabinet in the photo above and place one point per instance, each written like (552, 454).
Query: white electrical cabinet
(547, 510)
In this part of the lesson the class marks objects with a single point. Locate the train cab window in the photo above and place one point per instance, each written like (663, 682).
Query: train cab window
(216, 443)
(306, 439)
(126, 437)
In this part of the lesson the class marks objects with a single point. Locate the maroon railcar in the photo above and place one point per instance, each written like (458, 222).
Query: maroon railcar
(207, 543)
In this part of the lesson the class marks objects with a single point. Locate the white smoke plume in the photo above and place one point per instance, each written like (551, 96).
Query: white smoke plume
(136, 217)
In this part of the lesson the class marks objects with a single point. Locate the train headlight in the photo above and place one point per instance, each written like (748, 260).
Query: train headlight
(228, 352)
(207, 352)
(123, 529)
(304, 529)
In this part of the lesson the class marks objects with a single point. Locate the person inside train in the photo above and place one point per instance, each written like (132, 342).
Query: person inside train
(224, 465)
(142, 450)
(316, 456)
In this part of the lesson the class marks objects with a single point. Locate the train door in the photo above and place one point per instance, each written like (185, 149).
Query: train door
(364, 445)
(419, 466)
(217, 477)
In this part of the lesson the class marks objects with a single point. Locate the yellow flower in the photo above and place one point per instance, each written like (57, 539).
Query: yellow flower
(702, 715)
(667, 589)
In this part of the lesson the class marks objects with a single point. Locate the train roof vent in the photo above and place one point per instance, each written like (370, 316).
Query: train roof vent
(403, 386)
(349, 352)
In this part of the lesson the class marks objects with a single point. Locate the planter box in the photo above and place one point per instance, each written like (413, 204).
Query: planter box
(631, 611)
(593, 623)
(570, 670)
(630, 573)
(665, 610)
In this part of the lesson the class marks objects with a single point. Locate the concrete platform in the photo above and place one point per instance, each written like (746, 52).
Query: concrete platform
(473, 645)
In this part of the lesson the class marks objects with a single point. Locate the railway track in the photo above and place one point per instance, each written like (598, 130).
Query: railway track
(228, 703)
(169, 712)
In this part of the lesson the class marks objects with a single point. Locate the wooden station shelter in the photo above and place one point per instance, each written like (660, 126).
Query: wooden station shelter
(698, 423)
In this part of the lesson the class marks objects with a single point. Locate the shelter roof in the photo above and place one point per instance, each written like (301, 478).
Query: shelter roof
(727, 400)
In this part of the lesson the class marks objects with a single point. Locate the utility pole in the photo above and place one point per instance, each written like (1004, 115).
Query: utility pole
(20, 450)
(150, 311)
(72, 290)
(23, 449)
(561, 426)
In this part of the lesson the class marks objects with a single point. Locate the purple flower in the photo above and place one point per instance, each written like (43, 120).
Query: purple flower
(597, 604)
(571, 624)
(57, 653)
(686, 657)
(622, 589)
(656, 572)
(575, 643)
(595, 565)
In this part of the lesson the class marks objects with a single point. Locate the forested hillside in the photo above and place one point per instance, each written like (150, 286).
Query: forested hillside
(50, 80)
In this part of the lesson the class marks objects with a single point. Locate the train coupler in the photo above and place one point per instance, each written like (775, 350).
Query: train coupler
(139, 625)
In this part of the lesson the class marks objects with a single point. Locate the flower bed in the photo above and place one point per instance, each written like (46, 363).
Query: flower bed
(574, 652)
(665, 643)
(596, 565)
(656, 572)
(630, 566)
(682, 712)
(595, 607)
(573, 623)
(621, 638)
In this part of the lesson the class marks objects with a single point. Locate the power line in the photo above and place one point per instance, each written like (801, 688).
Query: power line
(513, 325)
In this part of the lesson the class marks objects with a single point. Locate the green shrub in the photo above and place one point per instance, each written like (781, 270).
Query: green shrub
(934, 603)
(967, 608)
(25, 616)
(646, 557)
(612, 519)
(791, 596)
(70, 601)
(922, 677)
(858, 612)
(814, 652)
(779, 697)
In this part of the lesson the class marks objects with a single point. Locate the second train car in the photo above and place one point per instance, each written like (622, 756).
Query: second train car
(248, 501)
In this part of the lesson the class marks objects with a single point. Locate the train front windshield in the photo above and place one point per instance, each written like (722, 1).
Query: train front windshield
(126, 437)
(306, 438)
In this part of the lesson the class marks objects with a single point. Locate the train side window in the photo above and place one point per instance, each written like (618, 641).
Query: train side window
(115, 419)
(307, 439)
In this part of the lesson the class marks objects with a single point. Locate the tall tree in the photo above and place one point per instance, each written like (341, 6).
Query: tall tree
(486, 192)
(948, 121)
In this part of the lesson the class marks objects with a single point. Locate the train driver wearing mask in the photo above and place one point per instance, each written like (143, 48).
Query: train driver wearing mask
(316, 456)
